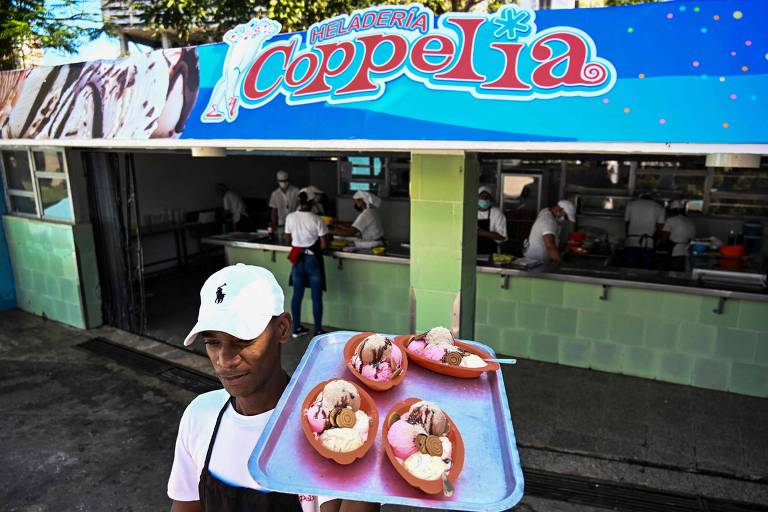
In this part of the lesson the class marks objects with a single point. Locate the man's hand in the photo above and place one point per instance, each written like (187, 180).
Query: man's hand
(349, 506)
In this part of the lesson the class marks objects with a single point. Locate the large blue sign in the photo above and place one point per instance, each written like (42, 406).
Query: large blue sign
(659, 72)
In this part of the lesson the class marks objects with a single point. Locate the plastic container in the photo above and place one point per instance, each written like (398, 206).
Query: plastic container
(732, 251)
(454, 436)
(367, 405)
(447, 369)
(376, 385)
(577, 236)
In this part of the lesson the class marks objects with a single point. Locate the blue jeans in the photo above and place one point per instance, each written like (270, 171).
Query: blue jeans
(307, 273)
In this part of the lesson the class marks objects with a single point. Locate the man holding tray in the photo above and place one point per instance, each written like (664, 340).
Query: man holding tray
(243, 324)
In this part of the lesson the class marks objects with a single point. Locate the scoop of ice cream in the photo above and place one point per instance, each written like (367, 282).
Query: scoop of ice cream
(429, 416)
(439, 334)
(362, 424)
(447, 448)
(316, 416)
(380, 372)
(402, 436)
(341, 439)
(434, 352)
(374, 349)
(426, 467)
(472, 361)
(340, 393)
(417, 346)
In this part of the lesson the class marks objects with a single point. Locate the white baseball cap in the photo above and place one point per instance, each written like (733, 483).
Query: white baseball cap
(282, 175)
(239, 300)
(570, 209)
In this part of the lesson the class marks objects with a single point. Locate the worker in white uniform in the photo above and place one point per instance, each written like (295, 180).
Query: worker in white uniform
(367, 225)
(234, 207)
(306, 231)
(542, 243)
(679, 231)
(644, 218)
(284, 200)
(491, 223)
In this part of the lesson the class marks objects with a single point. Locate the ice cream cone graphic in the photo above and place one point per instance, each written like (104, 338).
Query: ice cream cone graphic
(245, 42)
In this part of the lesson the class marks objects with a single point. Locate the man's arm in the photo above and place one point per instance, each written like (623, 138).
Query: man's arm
(288, 239)
(343, 230)
(551, 245)
(489, 234)
(186, 506)
(323, 242)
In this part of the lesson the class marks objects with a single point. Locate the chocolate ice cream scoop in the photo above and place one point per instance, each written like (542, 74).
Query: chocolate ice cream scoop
(430, 416)
(340, 393)
(374, 349)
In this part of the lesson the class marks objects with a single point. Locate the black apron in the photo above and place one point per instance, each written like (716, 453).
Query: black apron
(217, 496)
(485, 245)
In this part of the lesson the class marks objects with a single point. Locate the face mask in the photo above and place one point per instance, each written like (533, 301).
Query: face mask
(484, 203)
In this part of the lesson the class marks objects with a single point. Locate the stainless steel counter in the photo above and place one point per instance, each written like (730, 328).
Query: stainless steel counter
(679, 282)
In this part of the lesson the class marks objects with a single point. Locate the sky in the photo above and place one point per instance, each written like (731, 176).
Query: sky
(104, 47)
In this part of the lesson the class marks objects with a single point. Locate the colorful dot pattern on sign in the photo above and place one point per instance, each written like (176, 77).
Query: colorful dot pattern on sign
(678, 62)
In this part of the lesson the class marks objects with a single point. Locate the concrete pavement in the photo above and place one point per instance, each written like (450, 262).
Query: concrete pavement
(81, 432)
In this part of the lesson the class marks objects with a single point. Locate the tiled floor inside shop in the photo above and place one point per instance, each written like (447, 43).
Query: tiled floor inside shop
(75, 420)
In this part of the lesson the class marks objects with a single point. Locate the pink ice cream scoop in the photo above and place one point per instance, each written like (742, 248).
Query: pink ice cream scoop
(402, 438)
(316, 416)
(434, 352)
(382, 372)
(397, 355)
(417, 346)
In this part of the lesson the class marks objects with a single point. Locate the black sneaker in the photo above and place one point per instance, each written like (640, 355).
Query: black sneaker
(319, 332)
(301, 331)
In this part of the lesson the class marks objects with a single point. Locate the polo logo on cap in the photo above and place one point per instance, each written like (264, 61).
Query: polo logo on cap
(220, 294)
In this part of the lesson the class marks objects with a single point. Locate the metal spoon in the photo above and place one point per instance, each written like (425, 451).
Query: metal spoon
(501, 361)
(447, 487)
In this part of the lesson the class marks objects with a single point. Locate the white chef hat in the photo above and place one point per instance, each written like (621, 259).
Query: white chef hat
(282, 176)
(371, 200)
(314, 189)
(570, 209)
(308, 192)
(484, 188)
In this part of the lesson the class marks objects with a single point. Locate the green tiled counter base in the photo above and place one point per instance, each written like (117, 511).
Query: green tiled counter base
(666, 336)
(45, 269)
(362, 295)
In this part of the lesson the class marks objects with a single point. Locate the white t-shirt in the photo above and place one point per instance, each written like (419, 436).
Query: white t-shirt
(235, 441)
(545, 224)
(369, 225)
(498, 222)
(285, 202)
(234, 204)
(305, 228)
(681, 231)
(642, 215)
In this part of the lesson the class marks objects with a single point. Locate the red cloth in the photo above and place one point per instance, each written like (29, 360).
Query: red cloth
(295, 255)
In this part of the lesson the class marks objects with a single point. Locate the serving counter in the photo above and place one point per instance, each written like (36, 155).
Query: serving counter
(659, 325)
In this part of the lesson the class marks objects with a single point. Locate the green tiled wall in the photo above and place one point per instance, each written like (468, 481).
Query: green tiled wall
(658, 335)
(45, 269)
(362, 295)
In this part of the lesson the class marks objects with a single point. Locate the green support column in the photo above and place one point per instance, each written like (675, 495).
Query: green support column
(443, 241)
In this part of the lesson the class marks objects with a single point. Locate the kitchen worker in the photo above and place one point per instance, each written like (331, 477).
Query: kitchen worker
(284, 200)
(306, 232)
(679, 231)
(491, 223)
(234, 207)
(542, 242)
(367, 225)
(644, 218)
(243, 325)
